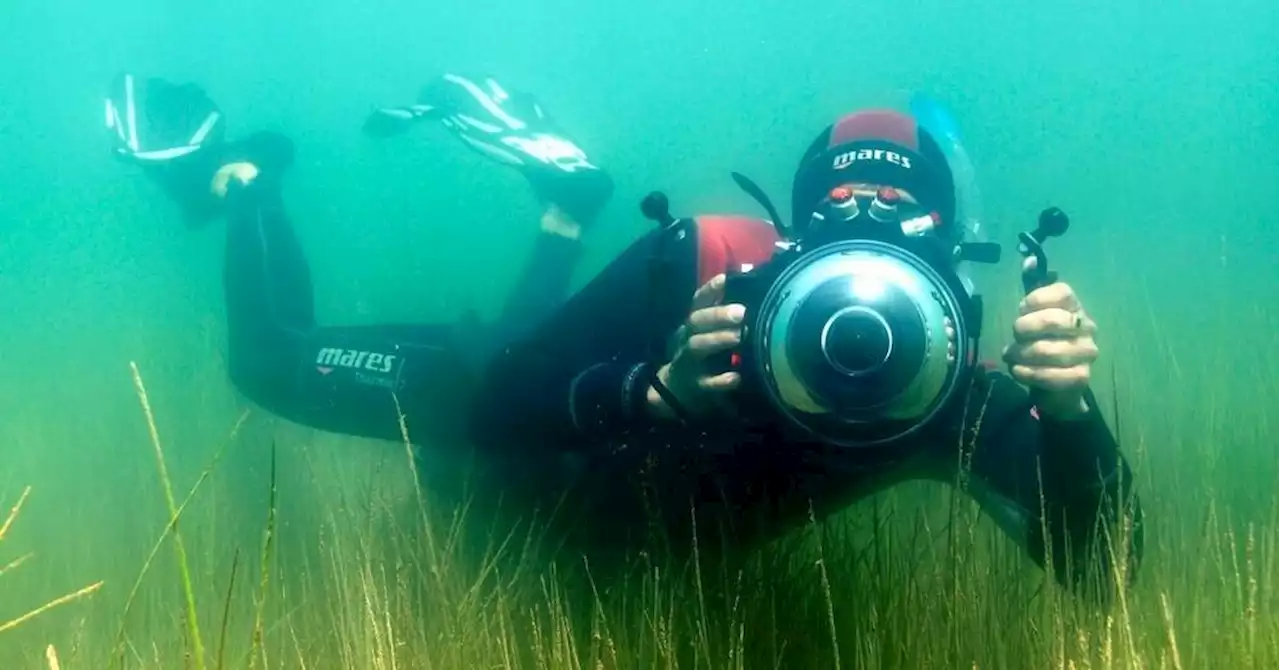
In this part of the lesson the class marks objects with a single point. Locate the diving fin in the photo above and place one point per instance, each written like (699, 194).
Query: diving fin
(154, 120)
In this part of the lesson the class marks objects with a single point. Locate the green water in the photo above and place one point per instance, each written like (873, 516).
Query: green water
(1155, 127)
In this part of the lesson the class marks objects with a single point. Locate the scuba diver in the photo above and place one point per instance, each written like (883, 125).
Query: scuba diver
(340, 378)
(752, 371)
(755, 373)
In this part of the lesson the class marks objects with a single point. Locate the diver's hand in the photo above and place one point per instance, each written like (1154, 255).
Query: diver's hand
(1053, 349)
(242, 172)
(712, 328)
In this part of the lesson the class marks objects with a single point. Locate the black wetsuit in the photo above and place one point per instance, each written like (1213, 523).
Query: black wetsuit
(578, 384)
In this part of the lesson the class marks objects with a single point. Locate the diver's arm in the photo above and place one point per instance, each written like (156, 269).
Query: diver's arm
(1090, 498)
(579, 380)
(1059, 485)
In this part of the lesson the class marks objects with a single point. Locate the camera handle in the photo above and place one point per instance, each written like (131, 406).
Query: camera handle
(657, 208)
(1053, 222)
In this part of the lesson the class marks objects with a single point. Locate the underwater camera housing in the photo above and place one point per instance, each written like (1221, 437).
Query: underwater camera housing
(859, 332)
(858, 336)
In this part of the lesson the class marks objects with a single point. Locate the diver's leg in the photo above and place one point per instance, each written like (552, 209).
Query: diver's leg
(339, 379)
(541, 286)
(353, 380)
(512, 128)
(174, 132)
(573, 201)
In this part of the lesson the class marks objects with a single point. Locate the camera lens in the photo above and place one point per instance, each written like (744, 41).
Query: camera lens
(857, 340)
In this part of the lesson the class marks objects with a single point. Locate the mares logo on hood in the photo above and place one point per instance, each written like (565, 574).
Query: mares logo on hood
(369, 367)
(847, 158)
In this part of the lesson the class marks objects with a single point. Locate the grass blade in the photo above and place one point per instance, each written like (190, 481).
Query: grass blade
(264, 567)
(184, 570)
(226, 612)
(13, 512)
(14, 623)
